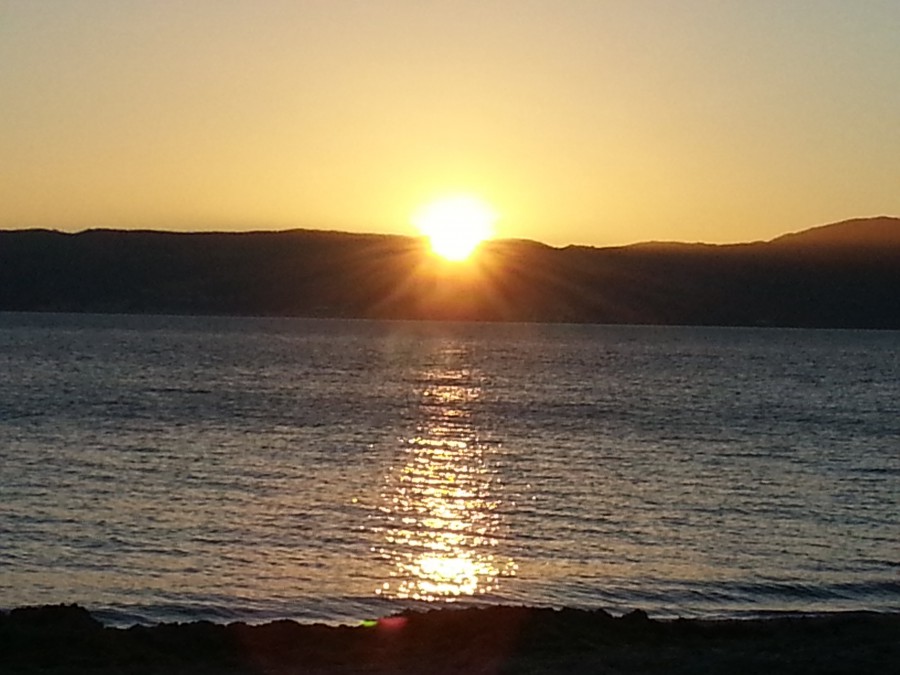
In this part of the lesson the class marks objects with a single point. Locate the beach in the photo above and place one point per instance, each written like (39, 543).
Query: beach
(509, 640)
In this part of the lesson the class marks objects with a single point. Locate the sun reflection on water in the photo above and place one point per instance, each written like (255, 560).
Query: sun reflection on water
(440, 509)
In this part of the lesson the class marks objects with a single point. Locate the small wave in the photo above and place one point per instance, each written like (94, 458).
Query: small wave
(660, 599)
(799, 590)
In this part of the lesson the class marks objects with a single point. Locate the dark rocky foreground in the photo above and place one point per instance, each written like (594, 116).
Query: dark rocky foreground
(66, 639)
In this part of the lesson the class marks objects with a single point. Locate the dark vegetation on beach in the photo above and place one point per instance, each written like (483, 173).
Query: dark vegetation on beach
(844, 275)
(508, 640)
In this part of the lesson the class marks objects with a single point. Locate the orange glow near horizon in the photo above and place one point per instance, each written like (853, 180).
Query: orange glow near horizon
(455, 226)
(591, 123)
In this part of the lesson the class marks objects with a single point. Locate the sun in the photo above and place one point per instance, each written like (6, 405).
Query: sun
(455, 226)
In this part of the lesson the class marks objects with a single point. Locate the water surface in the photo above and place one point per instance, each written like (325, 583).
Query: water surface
(173, 468)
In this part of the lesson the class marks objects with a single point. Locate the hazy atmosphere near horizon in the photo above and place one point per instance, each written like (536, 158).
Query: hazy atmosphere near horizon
(579, 121)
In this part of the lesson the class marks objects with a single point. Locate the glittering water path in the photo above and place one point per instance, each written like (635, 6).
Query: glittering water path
(160, 468)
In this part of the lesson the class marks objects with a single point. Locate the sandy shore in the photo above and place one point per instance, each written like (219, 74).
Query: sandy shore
(507, 640)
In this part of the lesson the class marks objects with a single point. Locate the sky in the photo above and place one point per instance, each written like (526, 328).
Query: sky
(598, 122)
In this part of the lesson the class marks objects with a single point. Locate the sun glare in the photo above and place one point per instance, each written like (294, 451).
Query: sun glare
(455, 226)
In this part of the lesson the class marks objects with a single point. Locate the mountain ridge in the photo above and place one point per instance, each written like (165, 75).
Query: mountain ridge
(795, 280)
(863, 231)
(855, 232)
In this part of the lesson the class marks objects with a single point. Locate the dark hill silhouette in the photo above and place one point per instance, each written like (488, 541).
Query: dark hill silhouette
(876, 232)
(802, 279)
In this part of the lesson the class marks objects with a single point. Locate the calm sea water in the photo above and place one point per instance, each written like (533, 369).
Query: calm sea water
(174, 468)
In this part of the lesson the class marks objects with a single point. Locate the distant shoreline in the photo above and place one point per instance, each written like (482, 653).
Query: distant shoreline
(511, 640)
(838, 276)
(448, 322)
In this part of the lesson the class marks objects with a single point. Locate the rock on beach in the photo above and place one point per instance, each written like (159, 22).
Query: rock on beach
(496, 640)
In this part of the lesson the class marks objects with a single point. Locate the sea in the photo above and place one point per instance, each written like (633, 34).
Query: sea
(171, 469)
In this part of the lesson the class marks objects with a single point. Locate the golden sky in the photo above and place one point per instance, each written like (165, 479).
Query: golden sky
(580, 121)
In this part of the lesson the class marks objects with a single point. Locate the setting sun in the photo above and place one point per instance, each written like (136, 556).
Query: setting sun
(455, 226)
